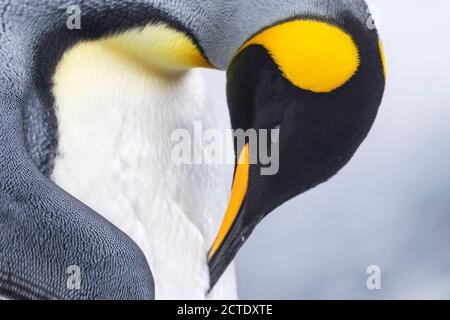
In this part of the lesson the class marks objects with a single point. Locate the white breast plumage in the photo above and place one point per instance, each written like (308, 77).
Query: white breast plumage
(115, 124)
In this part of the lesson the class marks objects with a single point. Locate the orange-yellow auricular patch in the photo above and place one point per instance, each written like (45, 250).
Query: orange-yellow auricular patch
(237, 198)
(312, 55)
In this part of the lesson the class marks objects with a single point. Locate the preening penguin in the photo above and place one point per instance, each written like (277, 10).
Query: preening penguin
(116, 116)
(86, 118)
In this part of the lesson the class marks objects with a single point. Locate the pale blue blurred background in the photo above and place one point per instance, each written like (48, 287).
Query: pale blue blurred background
(391, 205)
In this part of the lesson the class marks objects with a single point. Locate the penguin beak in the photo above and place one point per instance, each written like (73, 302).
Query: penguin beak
(316, 86)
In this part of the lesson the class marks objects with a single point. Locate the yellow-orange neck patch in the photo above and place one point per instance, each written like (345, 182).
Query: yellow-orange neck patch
(312, 55)
(159, 46)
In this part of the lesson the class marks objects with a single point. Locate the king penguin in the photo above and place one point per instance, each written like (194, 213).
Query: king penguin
(87, 179)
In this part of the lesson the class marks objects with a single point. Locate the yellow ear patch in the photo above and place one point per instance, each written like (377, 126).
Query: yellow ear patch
(312, 55)
(159, 46)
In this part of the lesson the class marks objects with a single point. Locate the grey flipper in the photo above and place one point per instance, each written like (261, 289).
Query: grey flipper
(44, 231)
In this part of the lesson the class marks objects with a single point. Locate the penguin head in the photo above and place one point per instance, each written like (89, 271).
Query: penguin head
(304, 93)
